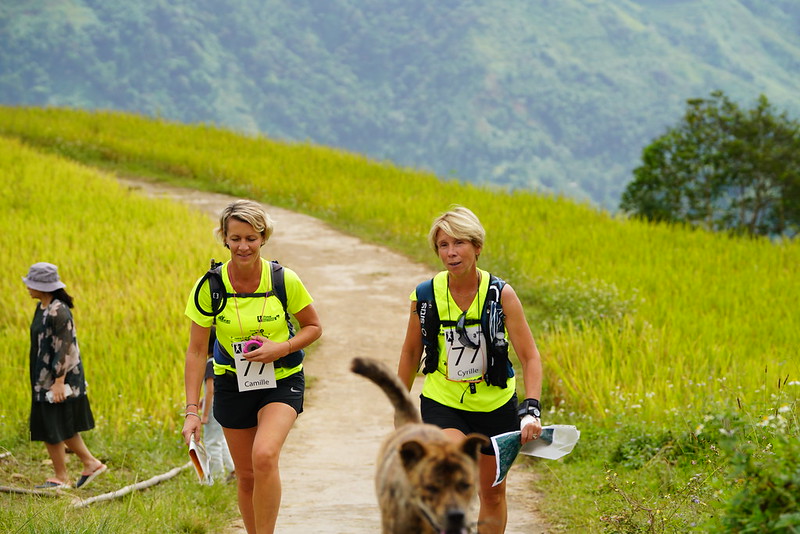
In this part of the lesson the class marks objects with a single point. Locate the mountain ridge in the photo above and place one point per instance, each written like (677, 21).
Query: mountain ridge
(554, 96)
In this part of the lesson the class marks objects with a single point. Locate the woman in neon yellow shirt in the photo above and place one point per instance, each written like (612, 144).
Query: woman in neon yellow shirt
(258, 392)
(462, 393)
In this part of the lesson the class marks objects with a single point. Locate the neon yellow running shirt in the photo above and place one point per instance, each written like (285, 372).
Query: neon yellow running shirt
(243, 317)
(457, 394)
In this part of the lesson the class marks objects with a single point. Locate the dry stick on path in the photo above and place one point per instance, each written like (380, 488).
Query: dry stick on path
(80, 503)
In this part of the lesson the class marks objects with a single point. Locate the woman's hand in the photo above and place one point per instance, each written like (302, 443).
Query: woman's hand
(531, 428)
(269, 351)
(58, 390)
(191, 426)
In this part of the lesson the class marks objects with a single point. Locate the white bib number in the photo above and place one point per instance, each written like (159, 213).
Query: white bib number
(252, 375)
(464, 363)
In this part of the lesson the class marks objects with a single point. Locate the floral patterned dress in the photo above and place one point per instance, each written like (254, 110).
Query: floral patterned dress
(55, 353)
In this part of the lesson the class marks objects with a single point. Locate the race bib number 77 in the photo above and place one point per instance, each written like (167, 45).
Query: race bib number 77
(252, 375)
(464, 363)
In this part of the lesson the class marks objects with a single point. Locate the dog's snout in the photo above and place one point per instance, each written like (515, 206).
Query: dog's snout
(455, 521)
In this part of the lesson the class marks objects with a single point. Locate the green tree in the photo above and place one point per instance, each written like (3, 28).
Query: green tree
(722, 168)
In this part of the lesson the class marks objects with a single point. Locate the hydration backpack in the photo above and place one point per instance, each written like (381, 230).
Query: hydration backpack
(220, 296)
(492, 321)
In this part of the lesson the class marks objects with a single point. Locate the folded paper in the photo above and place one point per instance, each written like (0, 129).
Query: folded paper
(554, 442)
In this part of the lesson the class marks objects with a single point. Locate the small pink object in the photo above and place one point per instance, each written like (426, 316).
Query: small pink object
(252, 345)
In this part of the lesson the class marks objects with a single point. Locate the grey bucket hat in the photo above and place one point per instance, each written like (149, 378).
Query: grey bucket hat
(43, 277)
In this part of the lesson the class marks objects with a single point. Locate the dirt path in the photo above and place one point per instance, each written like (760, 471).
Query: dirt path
(360, 292)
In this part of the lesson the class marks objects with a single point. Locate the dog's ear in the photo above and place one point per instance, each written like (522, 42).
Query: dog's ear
(411, 452)
(472, 444)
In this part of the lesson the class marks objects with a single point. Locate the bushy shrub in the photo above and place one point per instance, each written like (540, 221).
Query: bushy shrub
(726, 472)
(766, 482)
(636, 451)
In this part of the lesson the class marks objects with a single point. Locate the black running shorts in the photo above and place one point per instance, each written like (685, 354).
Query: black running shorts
(240, 410)
(504, 419)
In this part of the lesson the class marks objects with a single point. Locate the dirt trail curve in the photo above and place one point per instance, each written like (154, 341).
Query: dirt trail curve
(360, 292)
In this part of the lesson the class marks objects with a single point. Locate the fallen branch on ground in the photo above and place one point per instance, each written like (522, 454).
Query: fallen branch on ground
(80, 503)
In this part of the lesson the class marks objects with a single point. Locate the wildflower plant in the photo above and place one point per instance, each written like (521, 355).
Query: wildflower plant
(733, 468)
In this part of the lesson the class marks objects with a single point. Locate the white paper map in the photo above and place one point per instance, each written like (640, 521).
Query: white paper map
(556, 441)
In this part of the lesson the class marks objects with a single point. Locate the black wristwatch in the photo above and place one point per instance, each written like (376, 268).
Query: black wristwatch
(529, 407)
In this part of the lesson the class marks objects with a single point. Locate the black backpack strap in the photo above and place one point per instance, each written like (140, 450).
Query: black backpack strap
(493, 296)
(279, 290)
(499, 368)
(219, 296)
(429, 323)
(278, 283)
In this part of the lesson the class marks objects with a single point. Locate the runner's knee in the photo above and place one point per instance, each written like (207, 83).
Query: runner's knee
(265, 460)
(493, 497)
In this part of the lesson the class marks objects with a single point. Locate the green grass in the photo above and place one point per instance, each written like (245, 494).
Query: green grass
(628, 313)
(708, 472)
(646, 331)
(142, 451)
(121, 256)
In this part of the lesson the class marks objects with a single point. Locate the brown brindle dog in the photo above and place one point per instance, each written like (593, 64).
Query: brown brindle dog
(425, 482)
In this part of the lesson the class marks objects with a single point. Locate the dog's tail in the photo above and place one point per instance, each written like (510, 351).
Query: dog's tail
(404, 410)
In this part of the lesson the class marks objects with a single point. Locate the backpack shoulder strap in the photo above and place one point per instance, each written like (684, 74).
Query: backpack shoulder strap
(492, 317)
(279, 284)
(429, 323)
(279, 290)
(499, 368)
(496, 286)
(216, 287)
(425, 291)
(426, 306)
(220, 294)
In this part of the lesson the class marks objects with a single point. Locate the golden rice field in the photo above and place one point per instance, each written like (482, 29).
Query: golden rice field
(121, 256)
(631, 318)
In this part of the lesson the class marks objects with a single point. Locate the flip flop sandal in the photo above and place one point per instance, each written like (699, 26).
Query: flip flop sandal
(53, 483)
(85, 479)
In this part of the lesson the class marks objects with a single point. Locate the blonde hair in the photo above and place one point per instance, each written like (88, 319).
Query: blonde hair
(246, 211)
(459, 223)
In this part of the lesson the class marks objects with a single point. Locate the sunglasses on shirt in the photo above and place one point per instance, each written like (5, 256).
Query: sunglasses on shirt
(461, 330)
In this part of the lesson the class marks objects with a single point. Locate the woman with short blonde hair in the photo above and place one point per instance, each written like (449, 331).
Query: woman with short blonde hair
(248, 211)
(470, 385)
(259, 383)
(460, 223)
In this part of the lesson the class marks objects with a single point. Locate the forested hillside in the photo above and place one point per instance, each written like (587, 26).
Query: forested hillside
(553, 95)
